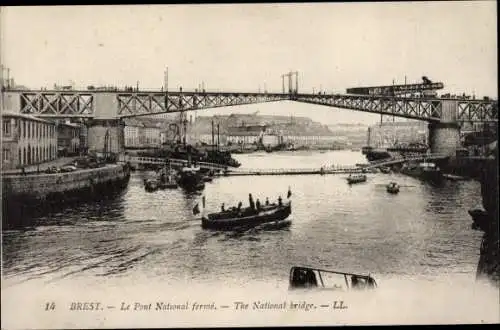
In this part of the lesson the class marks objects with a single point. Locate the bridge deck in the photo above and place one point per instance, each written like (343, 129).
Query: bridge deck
(66, 104)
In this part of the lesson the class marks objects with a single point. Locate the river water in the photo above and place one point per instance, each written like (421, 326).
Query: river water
(417, 244)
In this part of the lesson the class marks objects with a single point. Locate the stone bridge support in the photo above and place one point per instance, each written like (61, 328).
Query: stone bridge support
(444, 136)
(106, 130)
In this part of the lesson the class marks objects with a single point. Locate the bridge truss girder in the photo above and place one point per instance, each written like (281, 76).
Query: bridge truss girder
(137, 104)
(81, 104)
(477, 111)
(429, 109)
(413, 108)
(57, 104)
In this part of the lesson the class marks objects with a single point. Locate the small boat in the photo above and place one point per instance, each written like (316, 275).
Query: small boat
(168, 185)
(425, 171)
(392, 188)
(151, 184)
(247, 217)
(385, 169)
(307, 278)
(190, 177)
(357, 178)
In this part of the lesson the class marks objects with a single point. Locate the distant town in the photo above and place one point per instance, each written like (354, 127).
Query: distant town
(248, 130)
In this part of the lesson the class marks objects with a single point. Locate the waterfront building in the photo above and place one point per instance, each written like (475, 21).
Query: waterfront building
(132, 136)
(27, 140)
(68, 138)
(163, 137)
(150, 136)
(143, 135)
(84, 132)
(269, 140)
(315, 140)
(388, 134)
(248, 134)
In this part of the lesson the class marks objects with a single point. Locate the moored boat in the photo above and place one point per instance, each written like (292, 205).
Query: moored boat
(307, 278)
(168, 185)
(425, 171)
(385, 169)
(356, 178)
(190, 177)
(392, 188)
(151, 184)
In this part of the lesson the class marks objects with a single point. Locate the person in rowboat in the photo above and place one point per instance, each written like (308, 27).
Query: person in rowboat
(222, 208)
(267, 200)
(258, 204)
(280, 201)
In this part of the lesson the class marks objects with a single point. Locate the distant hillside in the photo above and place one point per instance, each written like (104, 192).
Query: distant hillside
(287, 125)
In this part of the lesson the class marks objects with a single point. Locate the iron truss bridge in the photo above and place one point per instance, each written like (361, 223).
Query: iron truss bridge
(57, 104)
(130, 104)
(429, 109)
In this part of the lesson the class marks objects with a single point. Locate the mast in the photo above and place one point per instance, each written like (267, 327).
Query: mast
(213, 138)
(218, 141)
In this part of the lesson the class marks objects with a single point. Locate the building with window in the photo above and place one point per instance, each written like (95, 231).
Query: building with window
(388, 134)
(132, 133)
(150, 136)
(143, 135)
(27, 140)
(248, 134)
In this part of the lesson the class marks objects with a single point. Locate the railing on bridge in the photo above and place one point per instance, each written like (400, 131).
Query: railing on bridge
(396, 160)
(172, 161)
(289, 171)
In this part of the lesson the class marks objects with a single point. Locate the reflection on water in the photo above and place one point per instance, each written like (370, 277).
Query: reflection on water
(423, 232)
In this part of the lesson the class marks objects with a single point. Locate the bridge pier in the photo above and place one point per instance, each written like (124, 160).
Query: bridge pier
(444, 136)
(106, 136)
(106, 130)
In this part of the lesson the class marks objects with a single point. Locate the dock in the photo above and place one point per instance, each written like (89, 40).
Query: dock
(295, 171)
(36, 168)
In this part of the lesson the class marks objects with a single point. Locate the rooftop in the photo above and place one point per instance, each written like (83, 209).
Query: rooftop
(29, 117)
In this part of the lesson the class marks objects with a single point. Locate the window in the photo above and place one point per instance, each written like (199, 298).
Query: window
(5, 155)
(6, 127)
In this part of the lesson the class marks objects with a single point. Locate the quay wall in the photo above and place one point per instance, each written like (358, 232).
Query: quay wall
(41, 185)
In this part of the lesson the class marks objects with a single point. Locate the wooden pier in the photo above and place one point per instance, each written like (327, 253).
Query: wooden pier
(295, 171)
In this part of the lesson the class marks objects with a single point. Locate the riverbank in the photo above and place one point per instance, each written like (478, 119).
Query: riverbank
(23, 195)
(29, 169)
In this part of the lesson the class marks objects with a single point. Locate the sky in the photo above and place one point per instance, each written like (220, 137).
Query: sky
(244, 47)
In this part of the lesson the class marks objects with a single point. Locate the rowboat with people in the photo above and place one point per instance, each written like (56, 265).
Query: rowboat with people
(315, 278)
(151, 184)
(274, 214)
(356, 178)
(392, 188)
